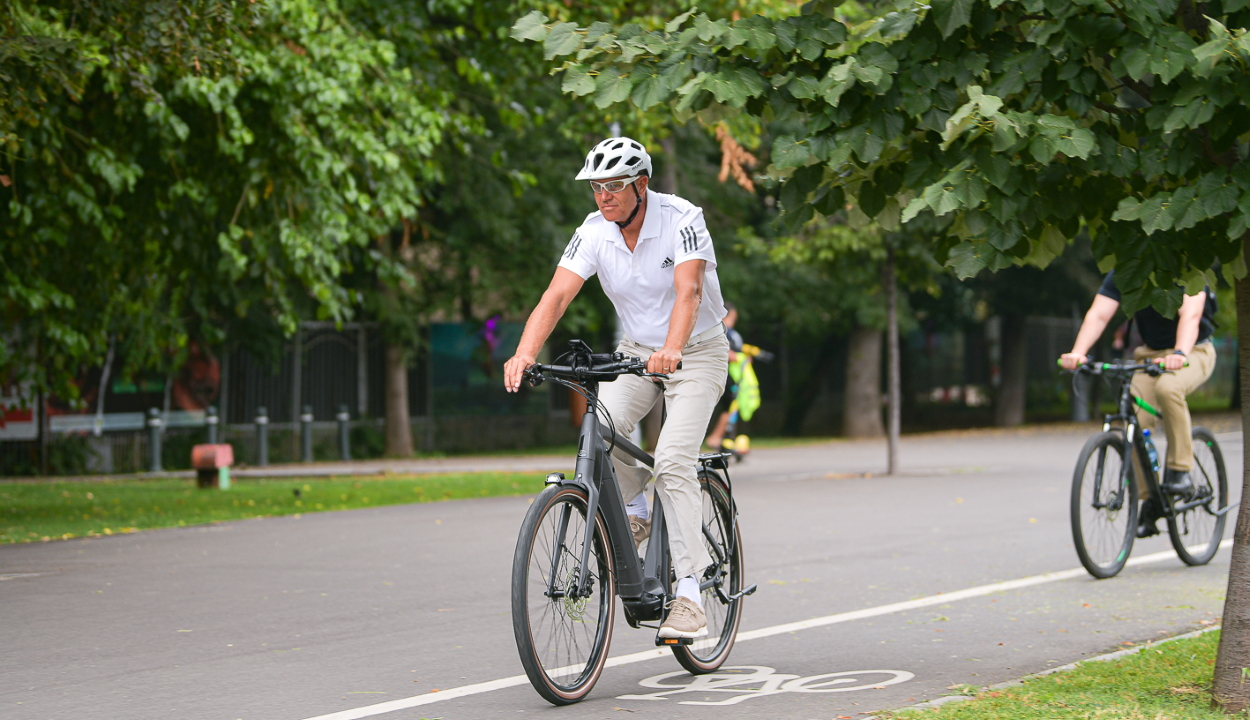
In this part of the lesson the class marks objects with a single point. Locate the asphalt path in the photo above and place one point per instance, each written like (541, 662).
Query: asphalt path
(875, 592)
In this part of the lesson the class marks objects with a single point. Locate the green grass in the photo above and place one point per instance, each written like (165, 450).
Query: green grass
(1169, 681)
(43, 511)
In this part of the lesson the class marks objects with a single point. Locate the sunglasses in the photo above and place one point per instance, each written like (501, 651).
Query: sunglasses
(611, 186)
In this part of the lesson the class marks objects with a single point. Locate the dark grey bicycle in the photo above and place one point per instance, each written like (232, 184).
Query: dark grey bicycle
(576, 551)
(1104, 492)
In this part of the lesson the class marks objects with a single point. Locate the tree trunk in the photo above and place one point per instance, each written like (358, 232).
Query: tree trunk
(861, 412)
(1230, 692)
(398, 426)
(894, 389)
(1009, 410)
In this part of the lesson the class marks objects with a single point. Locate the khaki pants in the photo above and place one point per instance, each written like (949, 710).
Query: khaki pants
(1166, 394)
(690, 394)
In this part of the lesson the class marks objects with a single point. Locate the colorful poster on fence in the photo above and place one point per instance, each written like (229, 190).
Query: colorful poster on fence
(467, 372)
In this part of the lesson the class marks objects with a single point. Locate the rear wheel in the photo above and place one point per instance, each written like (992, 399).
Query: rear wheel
(562, 634)
(722, 579)
(1103, 506)
(1196, 532)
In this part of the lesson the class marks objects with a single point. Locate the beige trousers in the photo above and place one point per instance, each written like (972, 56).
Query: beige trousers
(690, 395)
(1166, 394)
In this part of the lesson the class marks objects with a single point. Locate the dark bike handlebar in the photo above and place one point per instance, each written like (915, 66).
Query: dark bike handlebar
(590, 366)
(1154, 367)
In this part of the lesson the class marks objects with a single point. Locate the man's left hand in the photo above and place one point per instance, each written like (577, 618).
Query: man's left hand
(664, 361)
(1174, 362)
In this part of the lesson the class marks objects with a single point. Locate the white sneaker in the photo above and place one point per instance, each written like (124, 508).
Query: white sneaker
(685, 620)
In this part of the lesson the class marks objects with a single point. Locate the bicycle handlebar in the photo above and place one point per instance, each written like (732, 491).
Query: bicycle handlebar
(602, 367)
(1153, 367)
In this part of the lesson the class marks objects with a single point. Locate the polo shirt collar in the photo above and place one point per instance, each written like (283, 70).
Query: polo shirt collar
(651, 223)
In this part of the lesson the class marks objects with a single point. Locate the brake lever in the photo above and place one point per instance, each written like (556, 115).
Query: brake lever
(532, 376)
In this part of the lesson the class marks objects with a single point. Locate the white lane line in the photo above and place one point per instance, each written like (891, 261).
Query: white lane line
(476, 689)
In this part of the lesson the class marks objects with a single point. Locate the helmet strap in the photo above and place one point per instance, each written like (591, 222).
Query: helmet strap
(637, 206)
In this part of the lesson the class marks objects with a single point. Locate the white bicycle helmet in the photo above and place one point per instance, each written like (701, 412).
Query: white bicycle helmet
(613, 157)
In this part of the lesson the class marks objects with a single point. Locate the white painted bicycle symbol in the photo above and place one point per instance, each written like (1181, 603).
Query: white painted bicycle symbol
(754, 681)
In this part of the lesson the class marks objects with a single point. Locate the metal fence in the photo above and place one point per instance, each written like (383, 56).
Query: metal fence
(326, 368)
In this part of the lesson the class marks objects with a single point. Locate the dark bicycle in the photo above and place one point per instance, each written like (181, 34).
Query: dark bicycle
(1104, 491)
(576, 551)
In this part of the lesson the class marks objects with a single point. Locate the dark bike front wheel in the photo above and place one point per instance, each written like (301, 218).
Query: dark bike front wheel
(562, 633)
(1196, 532)
(721, 580)
(1103, 506)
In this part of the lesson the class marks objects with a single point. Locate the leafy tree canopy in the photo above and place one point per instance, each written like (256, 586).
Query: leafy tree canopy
(1011, 124)
(177, 171)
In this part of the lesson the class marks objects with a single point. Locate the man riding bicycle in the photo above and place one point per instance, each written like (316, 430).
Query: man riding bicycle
(1184, 345)
(655, 261)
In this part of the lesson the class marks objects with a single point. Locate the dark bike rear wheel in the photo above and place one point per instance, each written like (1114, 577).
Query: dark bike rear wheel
(724, 578)
(1196, 532)
(561, 634)
(1103, 506)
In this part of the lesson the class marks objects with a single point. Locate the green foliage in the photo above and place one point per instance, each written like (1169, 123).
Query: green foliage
(177, 172)
(67, 455)
(1164, 680)
(367, 441)
(1009, 124)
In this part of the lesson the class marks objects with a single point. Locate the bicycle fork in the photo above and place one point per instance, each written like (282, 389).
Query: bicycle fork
(593, 473)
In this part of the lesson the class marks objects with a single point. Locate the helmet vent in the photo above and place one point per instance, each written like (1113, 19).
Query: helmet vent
(615, 156)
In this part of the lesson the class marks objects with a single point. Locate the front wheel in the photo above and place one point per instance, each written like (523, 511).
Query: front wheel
(721, 580)
(1196, 532)
(1103, 506)
(562, 632)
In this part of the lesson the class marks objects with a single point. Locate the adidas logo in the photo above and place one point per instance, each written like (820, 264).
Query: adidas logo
(668, 263)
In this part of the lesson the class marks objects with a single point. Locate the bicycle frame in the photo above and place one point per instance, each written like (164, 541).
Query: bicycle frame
(643, 585)
(1133, 443)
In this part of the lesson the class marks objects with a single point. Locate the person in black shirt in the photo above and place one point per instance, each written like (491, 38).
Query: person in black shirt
(1184, 346)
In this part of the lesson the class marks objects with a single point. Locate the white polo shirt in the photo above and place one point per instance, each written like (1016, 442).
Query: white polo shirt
(640, 283)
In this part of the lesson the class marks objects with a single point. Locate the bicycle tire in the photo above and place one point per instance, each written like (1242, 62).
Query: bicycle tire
(1201, 524)
(563, 643)
(724, 544)
(1103, 516)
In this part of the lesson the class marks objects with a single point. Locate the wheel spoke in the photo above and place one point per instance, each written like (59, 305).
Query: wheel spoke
(1102, 510)
(707, 653)
(1196, 532)
(562, 636)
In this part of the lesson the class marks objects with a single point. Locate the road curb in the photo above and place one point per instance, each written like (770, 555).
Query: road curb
(946, 700)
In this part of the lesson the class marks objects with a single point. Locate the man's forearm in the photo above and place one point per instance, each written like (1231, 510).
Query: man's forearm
(681, 324)
(1188, 319)
(539, 326)
(1100, 313)
(1088, 335)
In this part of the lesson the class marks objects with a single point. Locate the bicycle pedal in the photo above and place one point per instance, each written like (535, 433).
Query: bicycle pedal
(661, 642)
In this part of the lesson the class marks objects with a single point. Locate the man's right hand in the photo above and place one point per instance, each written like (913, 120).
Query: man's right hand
(1072, 361)
(514, 371)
